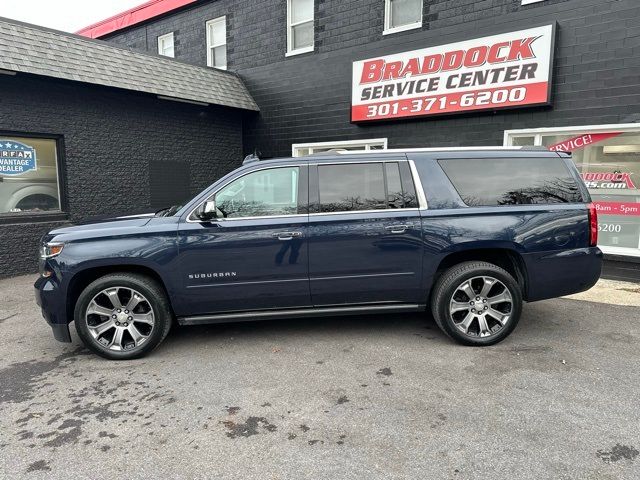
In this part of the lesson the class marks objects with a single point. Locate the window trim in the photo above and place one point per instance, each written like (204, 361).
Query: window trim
(211, 45)
(162, 38)
(291, 51)
(530, 2)
(41, 217)
(367, 143)
(389, 29)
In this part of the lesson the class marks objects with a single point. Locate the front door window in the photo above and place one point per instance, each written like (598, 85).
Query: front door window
(270, 192)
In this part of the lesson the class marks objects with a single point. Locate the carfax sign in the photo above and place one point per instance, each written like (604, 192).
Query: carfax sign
(501, 71)
(16, 158)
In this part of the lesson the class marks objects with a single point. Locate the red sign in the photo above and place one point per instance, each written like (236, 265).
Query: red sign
(506, 70)
(618, 208)
(582, 141)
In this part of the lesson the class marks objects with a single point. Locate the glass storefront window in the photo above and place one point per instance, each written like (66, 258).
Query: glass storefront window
(28, 175)
(608, 160)
(611, 170)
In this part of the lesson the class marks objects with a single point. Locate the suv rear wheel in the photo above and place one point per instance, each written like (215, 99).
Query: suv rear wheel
(476, 303)
(123, 316)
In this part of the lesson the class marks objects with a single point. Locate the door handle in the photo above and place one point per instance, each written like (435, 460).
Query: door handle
(399, 228)
(284, 236)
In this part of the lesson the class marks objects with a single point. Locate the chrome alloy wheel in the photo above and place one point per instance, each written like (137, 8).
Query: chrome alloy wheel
(120, 318)
(481, 306)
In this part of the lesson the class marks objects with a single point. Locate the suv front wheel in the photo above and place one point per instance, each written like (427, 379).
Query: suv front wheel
(123, 316)
(476, 303)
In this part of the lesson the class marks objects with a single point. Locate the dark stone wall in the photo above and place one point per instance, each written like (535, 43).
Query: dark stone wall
(111, 138)
(306, 98)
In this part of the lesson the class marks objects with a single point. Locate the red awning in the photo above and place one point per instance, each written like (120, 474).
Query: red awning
(136, 15)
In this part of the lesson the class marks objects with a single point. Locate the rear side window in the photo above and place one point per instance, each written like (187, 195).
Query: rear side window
(512, 181)
(351, 187)
(363, 186)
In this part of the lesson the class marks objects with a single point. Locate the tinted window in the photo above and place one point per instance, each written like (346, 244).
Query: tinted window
(262, 193)
(512, 181)
(351, 187)
(395, 198)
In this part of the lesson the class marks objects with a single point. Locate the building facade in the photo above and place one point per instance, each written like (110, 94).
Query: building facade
(298, 57)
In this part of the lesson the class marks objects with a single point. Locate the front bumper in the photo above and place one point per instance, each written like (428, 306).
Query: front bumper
(52, 305)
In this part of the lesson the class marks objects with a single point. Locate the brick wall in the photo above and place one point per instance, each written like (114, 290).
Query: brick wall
(307, 97)
(111, 137)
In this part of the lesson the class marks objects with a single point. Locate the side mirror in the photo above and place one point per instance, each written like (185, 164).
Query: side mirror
(207, 211)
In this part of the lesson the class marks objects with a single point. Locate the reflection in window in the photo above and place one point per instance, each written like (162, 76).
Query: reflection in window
(351, 187)
(512, 181)
(395, 197)
(263, 193)
(28, 175)
(524, 141)
(611, 170)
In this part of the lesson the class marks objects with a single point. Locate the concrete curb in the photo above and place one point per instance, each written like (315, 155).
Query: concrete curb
(612, 292)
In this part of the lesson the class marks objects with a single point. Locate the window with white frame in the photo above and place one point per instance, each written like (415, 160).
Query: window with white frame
(166, 45)
(527, 2)
(401, 15)
(217, 43)
(299, 26)
(303, 149)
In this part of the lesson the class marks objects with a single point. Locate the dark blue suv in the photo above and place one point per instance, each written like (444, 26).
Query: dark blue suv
(467, 234)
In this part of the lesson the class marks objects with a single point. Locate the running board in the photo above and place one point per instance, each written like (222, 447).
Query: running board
(299, 313)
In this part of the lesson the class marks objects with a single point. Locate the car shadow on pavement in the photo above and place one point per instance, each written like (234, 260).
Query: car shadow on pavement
(418, 324)
(539, 324)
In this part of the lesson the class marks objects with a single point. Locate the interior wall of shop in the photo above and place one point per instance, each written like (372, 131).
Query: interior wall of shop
(306, 98)
(112, 138)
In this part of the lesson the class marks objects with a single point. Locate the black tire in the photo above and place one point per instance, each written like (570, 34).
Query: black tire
(448, 285)
(155, 297)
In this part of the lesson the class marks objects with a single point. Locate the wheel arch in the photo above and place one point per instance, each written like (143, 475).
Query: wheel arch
(508, 259)
(84, 277)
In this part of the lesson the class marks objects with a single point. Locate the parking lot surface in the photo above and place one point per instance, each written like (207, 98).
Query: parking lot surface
(365, 397)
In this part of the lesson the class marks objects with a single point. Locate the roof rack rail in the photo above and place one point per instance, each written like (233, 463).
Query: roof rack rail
(429, 149)
(535, 148)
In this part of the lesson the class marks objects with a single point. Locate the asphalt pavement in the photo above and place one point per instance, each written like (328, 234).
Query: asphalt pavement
(370, 397)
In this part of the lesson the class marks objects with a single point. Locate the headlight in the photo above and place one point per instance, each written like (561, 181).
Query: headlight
(50, 250)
